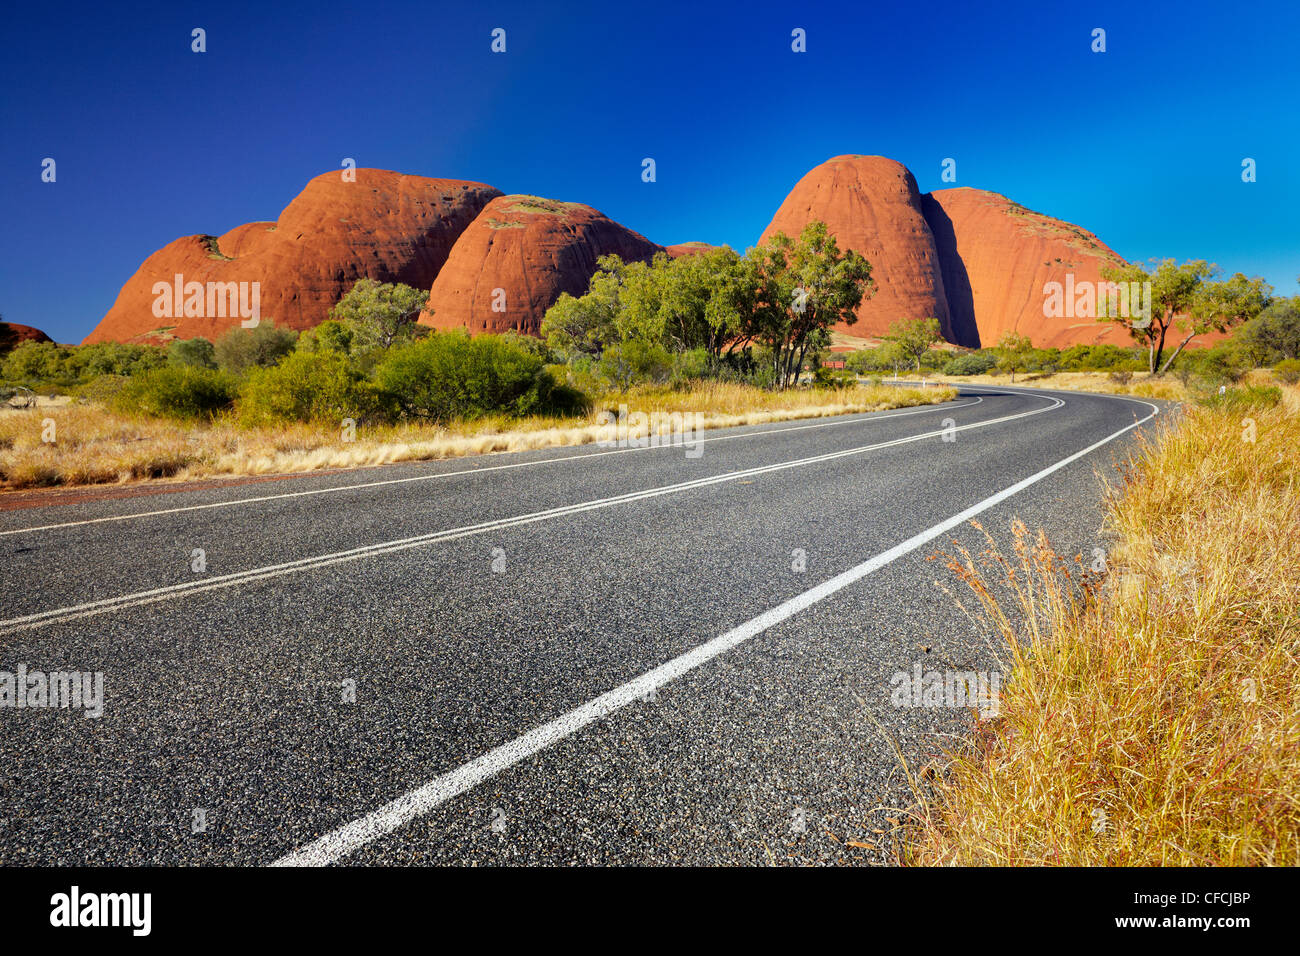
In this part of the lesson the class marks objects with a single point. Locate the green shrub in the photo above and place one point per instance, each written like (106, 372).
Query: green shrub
(84, 362)
(177, 391)
(1243, 399)
(688, 367)
(824, 377)
(259, 347)
(102, 390)
(449, 376)
(330, 336)
(1287, 371)
(972, 363)
(1225, 363)
(306, 387)
(198, 352)
(627, 363)
(33, 362)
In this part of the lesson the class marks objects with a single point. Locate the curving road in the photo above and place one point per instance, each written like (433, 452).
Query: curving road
(580, 655)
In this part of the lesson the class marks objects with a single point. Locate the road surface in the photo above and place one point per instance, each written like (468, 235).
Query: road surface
(578, 655)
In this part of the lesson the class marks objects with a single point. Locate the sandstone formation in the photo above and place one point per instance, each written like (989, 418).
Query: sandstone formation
(384, 226)
(872, 206)
(516, 258)
(12, 335)
(997, 256)
(689, 249)
(973, 259)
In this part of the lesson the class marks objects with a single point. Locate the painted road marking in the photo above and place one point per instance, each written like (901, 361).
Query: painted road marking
(237, 578)
(841, 420)
(337, 844)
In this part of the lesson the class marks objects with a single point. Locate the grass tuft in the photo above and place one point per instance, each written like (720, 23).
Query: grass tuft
(1152, 715)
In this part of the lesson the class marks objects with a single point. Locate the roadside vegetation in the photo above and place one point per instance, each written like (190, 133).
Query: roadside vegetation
(96, 445)
(737, 339)
(1150, 714)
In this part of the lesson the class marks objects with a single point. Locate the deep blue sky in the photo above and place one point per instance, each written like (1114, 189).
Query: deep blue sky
(1143, 144)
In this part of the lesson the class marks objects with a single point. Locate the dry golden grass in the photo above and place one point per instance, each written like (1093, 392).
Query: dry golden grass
(94, 445)
(1152, 715)
(1142, 384)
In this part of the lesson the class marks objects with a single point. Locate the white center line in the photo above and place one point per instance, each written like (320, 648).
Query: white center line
(237, 578)
(582, 456)
(337, 844)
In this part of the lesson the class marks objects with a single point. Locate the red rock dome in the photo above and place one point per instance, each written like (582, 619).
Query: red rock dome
(871, 205)
(516, 258)
(12, 334)
(384, 226)
(997, 256)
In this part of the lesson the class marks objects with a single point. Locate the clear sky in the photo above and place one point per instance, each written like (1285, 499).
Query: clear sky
(1141, 144)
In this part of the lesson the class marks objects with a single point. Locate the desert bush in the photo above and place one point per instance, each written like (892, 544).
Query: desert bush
(47, 364)
(33, 362)
(1288, 371)
(102, 390)
(261, 346)
(84, 362)
(330, 336)
(1121, 376)
(688, 368)
(450, 376)
(198, 352)
(971, 363)
(633, 361)
(183, 392)
(1243, 398)
(306, 387)
(1225, 363)
(824, 377)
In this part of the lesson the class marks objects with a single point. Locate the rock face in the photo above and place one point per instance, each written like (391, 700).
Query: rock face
(516, 258)
(997, 256)
(383, 226)
(872, 206)
(689, 249)
(12, 335)
(974, 260)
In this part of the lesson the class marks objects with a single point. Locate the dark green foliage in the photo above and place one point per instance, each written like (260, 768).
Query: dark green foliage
(308, 387)
(450, 376)
(261, 346)
(183, 392)
(198, 352)
(972, 363)
(44, 363)
(1288, 371)
(1243, 399)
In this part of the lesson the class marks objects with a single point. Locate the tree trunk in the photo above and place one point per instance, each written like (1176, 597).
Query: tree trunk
(1177, 352)
(1158, 347)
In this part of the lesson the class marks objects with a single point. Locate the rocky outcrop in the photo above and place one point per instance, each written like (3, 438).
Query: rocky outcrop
(516, 258)
(690, 249)
(871, 205)
(12, 335)
(997, 257)
(384, 226)
(973, 259)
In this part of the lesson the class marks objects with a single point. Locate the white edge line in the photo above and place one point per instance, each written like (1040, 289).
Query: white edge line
(333, 846)
(840, 420)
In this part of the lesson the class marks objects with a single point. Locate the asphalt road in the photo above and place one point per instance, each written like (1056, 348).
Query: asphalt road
(580, 655)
